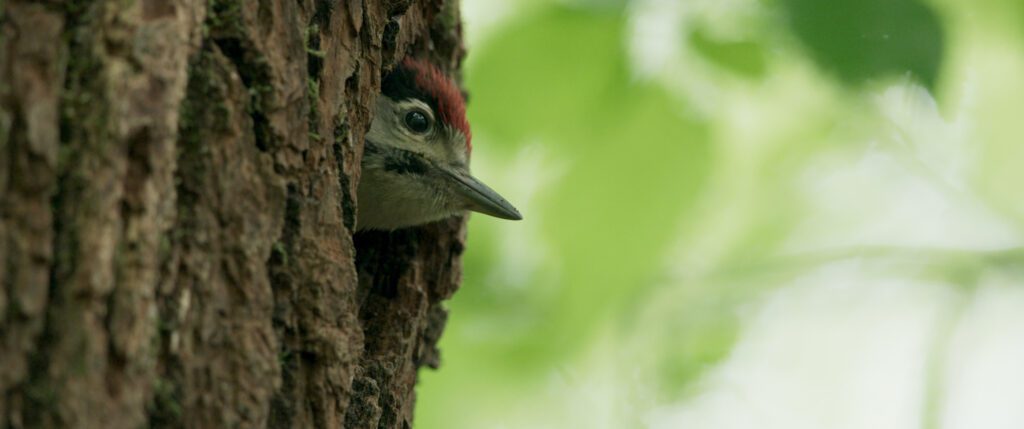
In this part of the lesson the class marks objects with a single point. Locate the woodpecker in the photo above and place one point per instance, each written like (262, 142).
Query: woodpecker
(415, 166)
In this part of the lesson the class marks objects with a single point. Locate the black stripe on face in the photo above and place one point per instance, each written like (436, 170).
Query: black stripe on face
(399, 161)
(402, 162)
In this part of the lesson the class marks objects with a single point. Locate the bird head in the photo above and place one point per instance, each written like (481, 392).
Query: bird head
(415, 166)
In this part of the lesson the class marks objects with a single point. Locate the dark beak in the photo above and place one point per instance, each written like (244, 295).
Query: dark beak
(480, 198)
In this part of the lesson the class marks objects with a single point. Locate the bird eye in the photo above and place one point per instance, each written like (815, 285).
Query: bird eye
(417, 122)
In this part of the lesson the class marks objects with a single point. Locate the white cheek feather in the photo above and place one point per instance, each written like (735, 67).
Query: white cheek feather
(390, 201)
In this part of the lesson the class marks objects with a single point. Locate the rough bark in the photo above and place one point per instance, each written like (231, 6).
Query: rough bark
(177, 182)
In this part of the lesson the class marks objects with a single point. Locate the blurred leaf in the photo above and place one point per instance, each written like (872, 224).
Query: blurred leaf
(745, 58)
(547, 75)
(643, 167)
(862, 40)
(634, 161)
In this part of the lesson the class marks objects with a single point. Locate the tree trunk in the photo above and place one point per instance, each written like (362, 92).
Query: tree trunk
(177, 184)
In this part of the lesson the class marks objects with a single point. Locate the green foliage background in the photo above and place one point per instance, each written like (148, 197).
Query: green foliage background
(668, 176)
